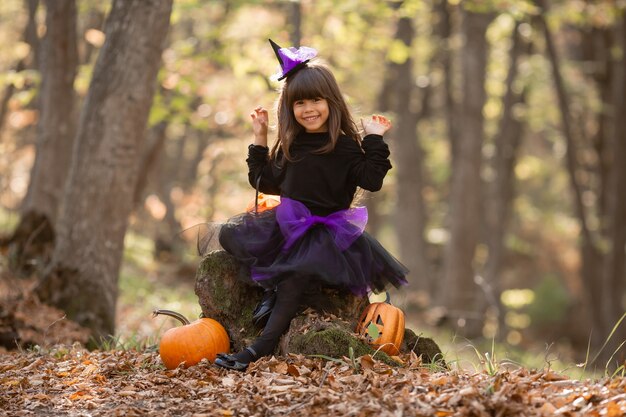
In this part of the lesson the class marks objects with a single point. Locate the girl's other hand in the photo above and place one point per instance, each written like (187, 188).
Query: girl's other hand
(376, 125)
(260, 121)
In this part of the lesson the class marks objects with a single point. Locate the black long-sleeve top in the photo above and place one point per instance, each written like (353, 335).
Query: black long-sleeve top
(325, 183)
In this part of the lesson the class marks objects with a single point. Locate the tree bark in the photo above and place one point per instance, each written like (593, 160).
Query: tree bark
(590, 254)
(199, 143)
(501, 190)
(459, 291)
(295, 22)
(614, 268)
(170, 170)
(30, 34)
(595, 46)
(150, 155)
(82, 277)
(384, 103)
(603, 254)
(410, 212)
(35, 232)
(444, 55)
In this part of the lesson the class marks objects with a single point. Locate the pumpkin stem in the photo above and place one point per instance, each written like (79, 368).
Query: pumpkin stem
(171, 313)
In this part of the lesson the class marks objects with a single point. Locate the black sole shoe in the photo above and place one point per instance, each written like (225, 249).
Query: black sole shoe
(229, 362)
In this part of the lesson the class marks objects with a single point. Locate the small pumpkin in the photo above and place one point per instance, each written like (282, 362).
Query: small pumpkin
(387, 322)
(192, 342)
(265, 202)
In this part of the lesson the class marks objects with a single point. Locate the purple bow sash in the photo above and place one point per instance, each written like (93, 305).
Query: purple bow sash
(294, 219)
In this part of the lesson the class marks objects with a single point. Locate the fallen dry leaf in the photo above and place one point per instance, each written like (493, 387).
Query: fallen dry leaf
(72, 381)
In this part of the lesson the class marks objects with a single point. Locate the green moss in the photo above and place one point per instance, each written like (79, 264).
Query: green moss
(218, 283)
(424, 347)
(221, 294)
(218, 263)
(334, 342)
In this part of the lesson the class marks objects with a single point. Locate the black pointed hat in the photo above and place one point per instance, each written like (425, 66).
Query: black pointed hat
(291, 59)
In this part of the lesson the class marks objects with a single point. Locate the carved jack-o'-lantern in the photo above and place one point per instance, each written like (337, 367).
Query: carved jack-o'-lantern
(387, 322)
(265, 202)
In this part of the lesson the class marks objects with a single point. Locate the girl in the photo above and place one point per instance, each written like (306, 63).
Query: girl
(313, 236)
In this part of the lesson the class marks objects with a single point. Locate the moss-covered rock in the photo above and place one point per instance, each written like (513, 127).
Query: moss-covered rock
(335, 342)
(424, 347)
(226, 294)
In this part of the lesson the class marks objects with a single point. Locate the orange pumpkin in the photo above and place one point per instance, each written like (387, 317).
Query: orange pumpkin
(389, 321)
(266, 202)
(192, 342)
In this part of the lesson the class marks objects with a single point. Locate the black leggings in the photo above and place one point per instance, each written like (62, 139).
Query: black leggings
(290, 293)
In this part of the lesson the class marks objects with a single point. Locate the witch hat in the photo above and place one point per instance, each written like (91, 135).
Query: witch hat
(291, 59)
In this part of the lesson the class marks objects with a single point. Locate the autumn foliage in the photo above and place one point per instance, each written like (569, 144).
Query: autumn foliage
(74, 381)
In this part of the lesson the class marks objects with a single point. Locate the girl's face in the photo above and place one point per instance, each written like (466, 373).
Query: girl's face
(312, 114)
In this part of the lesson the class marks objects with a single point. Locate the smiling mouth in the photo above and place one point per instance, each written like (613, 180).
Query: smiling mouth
(310, 118)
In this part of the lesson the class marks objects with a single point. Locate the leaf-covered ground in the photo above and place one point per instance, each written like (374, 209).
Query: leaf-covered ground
(52, 377)
(74, 381)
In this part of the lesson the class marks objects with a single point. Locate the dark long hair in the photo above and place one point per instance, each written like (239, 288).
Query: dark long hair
(313, 81)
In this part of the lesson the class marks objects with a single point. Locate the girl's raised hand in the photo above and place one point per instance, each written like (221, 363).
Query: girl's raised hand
(260, 121)
(376, 125)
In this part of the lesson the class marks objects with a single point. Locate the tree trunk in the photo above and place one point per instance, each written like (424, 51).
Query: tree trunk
(35, 233)
(82, 277)
(150, 155)
(170, 170)
(295, 22)
(459, 292)
(444, 54)
(602, 255)
(410, 212)
(384, 104)
(613, 272)
(596, 45)
(590, 254)
(199, 143)
(501, 190)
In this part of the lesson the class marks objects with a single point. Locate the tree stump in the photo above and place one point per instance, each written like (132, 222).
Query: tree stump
(326, 328)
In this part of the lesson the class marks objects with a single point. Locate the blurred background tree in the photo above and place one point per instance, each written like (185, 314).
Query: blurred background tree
(506, 199)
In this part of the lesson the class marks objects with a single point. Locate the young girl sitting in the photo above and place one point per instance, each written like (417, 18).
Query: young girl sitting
(313, 236)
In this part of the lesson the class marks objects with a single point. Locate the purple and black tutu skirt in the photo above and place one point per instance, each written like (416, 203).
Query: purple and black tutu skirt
(334, 249)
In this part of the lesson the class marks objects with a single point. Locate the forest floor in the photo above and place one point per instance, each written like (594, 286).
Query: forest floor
(53, 374)
(77, 382)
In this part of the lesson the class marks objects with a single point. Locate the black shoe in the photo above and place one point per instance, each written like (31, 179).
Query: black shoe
(262, 312)
(231, 362)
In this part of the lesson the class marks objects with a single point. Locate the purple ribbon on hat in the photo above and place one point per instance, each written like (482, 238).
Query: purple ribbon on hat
(291, 59)
(295, 219)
